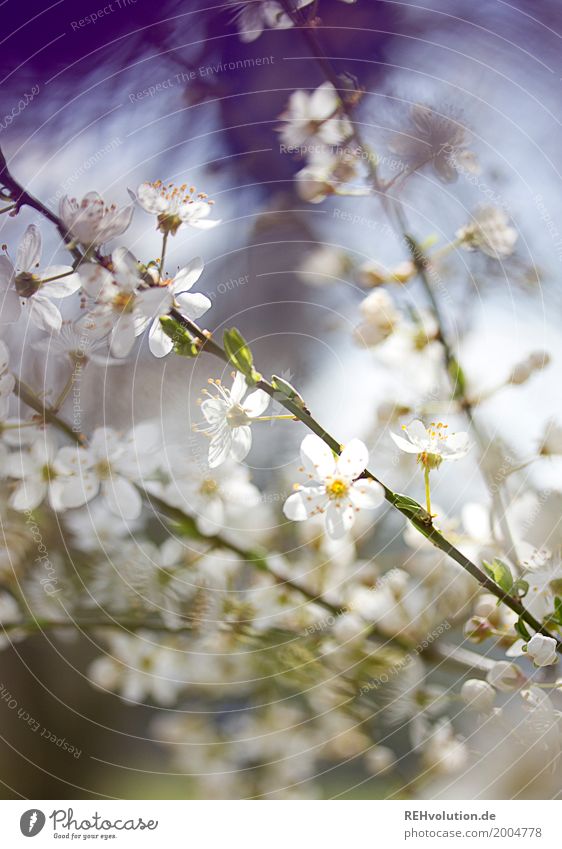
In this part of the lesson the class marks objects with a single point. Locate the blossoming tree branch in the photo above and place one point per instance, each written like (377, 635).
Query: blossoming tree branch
(159, 599)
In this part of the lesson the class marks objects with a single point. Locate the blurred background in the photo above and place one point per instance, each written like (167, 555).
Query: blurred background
(170, 91)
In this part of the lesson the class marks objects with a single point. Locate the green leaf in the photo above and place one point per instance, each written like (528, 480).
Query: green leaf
(500, 573)
(183, 341)
(457, 378)
(286, 390)
(521, 629)
(239, 353)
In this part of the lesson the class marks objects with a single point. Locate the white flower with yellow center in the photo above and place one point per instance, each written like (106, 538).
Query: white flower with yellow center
(175, 206)
(40, 474)
(229, 418)
(111, 465)
(25, 290)
(432, 444)
(122, 299)
(213, 498)
(333, 487)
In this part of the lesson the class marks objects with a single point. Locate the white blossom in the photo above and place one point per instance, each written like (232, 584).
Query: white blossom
(175, 207)
(40, 473)
(214, 497)
(544, 582)
(123, 302)
(25, 291)
(112, 464)
(315, 117)
(138, 667)
(432, 444)
(91, 222)
(333, 487)
(380, 317)
(437, 139)
(490, 232)
(228, 419)
(190, 305)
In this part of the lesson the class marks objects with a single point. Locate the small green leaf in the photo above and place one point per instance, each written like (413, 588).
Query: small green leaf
(284, 389)
(521, 629)
(558, 610)
(239, 353)
(184, 343)
(500, 573)
(458, 379)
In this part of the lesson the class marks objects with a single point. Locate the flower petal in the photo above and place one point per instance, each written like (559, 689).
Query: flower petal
(416, 431)
(317, 459)
(29, 494)
(64, 286)
(160, 345)
(153, 302)
(122, 498)
(214, 410)
(353, 459)
(10, 306)
(151, 198)
(123, 336)
(256, 403)
(29, 249)
(43, 313)
(241, 443)
(307, 501)
(188, 276)
(193, 306)
(366, 494)
(339, 519)
(219, 449)
(404, 445)
(239, 388)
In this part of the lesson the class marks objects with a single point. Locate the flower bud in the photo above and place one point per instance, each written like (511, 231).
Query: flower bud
(542, 650)
(505, 676)
(477, 629)
(478, 695)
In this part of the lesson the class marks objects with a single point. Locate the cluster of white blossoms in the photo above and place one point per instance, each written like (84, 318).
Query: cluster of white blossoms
(209, 583)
